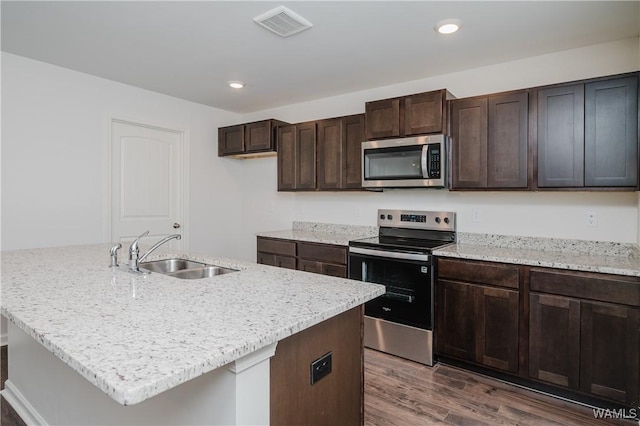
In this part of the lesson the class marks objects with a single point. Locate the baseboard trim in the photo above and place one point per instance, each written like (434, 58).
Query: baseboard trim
(21, 406)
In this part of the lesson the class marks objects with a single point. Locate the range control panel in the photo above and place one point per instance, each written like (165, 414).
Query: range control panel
(441, 221)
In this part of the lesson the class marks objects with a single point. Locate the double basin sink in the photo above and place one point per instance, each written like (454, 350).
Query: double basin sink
(184, 269)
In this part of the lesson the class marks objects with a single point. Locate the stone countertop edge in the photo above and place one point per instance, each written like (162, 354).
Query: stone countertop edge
(616, 265)
(137, 387)
(322, 237)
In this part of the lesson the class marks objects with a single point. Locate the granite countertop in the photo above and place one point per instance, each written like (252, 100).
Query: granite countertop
(135, 336)
(590, 256)
(325, 233)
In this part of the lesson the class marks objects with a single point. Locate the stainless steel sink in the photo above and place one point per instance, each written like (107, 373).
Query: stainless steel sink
(206, 272)
(184, 269)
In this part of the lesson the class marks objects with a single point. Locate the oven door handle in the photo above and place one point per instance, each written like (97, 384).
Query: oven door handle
(390, 254)
(399, 296)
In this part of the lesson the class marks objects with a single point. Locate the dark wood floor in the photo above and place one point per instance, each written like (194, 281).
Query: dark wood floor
(403, 393)
(400, 392)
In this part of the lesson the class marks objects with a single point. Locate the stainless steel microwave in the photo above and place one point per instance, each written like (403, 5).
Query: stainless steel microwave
(415, 162)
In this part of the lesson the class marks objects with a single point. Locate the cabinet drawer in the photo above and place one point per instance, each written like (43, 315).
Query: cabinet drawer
(284, 247)
(479, 272)
(323, 253)
(587, 285)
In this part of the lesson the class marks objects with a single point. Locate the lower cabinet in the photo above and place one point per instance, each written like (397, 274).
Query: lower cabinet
(477, 322)
(585, 333)
(325, 259)
(569, 330)
(276, 252)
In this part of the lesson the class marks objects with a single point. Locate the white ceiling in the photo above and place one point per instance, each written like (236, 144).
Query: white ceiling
(191, 49)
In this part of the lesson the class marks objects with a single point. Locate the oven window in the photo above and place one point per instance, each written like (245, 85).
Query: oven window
(408, 299)
(393, 163)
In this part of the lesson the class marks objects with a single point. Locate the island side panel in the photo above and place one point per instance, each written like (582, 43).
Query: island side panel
(337, 398)
(44, 390)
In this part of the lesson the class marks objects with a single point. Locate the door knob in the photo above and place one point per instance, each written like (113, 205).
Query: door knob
(176, 225)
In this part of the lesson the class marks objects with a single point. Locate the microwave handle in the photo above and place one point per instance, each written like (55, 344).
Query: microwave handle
(424, 162)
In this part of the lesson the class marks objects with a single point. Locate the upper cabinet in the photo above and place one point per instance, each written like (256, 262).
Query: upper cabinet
(417, 114)
(489, 144)
(587, 134)
(251, 139)
(322, 155)
(297, 156)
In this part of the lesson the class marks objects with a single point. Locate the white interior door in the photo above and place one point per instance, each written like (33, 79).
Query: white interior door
(146, 182)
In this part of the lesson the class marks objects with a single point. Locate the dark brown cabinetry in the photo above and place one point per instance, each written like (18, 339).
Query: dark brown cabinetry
(322, 259)
(323, 155)
(336, 399)
(251, 139)
(325, 259)
(297, 156)
(277, 252)
(585, 333)
(489, 142)
(587, 134)
(339, 152)
(576, 331)
(421, 113)
(477, 313)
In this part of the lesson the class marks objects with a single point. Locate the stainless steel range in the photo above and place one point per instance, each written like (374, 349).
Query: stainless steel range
(400, 322)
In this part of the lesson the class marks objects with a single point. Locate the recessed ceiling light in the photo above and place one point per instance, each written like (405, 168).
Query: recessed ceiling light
(448, 26)
(236, 84)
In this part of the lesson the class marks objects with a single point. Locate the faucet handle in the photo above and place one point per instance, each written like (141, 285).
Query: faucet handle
(114, 255)
(134, 245)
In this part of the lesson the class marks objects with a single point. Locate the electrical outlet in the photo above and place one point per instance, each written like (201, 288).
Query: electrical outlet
(320, 367)
(592, 218)
(475, 215)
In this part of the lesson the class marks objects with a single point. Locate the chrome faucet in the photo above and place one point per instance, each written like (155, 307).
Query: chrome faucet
(134, 251)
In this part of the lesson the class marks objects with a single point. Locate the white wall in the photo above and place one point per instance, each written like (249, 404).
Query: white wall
(558, 214)
(55, 154)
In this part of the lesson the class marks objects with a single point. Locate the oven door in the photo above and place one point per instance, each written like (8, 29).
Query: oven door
(408, 278)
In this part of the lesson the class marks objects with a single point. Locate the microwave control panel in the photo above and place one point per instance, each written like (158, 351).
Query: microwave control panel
(433, 158)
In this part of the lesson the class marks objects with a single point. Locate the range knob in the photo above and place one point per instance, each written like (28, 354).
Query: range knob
(437, 219)
(446, 220)
(382, 216)
(389, 217)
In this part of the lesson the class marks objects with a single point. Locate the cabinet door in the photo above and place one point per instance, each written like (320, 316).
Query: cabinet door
(554, 339)
(330, 154)
(287, 158)
(610, 351)
(286, 262)
(383, 118)
(230, 140)
(352, 138)
(424, 113)
(455, 331)
(309, 266)
(507, 145)
(258, 136)
(496, 312)
(611, 133)
(561, 136)
(266, 259)
(469, 143)
(306, 155)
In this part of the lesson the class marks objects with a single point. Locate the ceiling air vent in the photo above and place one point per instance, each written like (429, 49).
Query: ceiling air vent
(283, 21)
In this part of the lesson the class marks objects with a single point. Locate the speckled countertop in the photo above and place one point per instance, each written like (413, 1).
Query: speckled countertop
(136, 336)
(591, 256)
(325, 233)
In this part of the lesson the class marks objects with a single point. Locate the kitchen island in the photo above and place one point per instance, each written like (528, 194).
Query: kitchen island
(89, 344)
